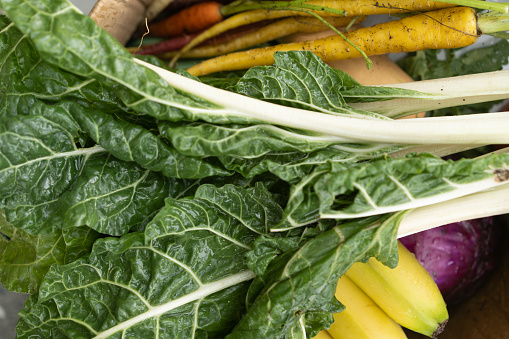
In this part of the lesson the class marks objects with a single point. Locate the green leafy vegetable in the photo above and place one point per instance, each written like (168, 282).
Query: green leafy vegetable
(252, 141)
(435, 64)
(112, 197)
(280, 306)
(344, 191)
(132, 142)
(180, 185)
(39, 161)
(303, 80)
(184, 276)
(25, 258)
(293, 166)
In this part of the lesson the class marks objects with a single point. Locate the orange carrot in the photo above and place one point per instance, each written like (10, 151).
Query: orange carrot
(191, 19)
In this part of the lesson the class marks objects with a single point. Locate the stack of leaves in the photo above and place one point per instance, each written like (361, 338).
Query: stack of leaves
(131, 207)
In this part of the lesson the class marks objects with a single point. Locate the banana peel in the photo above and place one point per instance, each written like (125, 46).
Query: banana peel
(361, 318)
(407, 293)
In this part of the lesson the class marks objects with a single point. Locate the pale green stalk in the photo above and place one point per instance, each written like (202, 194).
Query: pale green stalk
(450, 92)
(477, 205)
(485, 128)
(492, 6)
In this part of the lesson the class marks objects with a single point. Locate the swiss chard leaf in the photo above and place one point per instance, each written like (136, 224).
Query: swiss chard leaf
(27, 78)
(132, 142)
(434, 64)
(294, 298)
(345, 191)
(39, 161)
(97, 109)
(249, 141)
(185, 276)
(25, 258)
(72, 41)
(301, 79)
(112, 196)
(294, 166)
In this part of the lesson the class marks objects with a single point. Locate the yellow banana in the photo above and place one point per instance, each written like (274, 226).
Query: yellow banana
(362, 318)
(407, 293)
(322, 335)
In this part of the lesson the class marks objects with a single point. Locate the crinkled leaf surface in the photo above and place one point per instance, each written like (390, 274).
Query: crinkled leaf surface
(39, 161)
(301, 79)
(97, 109)
(294, 298)
(342, 191)
(248, 141)
(25, 258)
(112, 196)
(185, 276)
(132, 142)
(47, 178)
(27, 78)
(72, 41)
(293, 166)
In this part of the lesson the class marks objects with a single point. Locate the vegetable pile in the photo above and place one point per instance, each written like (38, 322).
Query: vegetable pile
(425, 25)
(138, 201)
(459, 256)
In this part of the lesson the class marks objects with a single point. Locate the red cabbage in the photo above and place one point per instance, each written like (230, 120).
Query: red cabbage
(458, 256)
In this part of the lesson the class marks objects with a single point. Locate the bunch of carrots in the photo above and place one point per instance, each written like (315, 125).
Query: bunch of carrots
(242, 34)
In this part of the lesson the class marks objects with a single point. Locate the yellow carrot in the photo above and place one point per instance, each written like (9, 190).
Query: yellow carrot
(446, 28)
(232, 22)
(351, 7)
(272, 31)
(369, 7)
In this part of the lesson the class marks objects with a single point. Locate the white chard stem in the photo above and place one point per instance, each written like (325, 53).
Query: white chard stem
(477, 205)
(450, 92)
(487, 128)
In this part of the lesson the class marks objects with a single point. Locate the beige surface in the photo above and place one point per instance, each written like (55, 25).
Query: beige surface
(119, 17)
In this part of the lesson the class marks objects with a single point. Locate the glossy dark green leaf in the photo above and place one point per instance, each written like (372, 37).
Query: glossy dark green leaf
(294, 298)
(185, 276)
(266, 249)
(345, 191)
(25, 258)
(39, 161)
(112, 196)
(198, 139)
(301, 79)
(97, 108)
(132, 142)
(27, 78)
(293, 166)
(72, 41)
